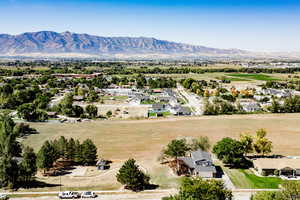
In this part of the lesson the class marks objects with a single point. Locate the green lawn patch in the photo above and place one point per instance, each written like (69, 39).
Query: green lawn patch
(226, 78)
(258, 77)
(148, 102)
(246, 179)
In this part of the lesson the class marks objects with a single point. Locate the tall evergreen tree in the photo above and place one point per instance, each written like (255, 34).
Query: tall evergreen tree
(78, 158)
(28, 165)
(89, 152)
(132, 177)
(46, 156)
(9, 148)
(71, 149)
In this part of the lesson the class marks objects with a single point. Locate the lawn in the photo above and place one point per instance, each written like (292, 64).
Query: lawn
(258, 77)
(242, 178)
(227, 78)
(148, 102)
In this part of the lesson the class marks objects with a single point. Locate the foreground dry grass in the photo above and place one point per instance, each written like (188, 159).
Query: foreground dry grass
(144, 139)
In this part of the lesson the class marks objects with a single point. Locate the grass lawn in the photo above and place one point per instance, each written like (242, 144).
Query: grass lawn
(258, 77)
(242, 178)
(148, 102)
(228, 78)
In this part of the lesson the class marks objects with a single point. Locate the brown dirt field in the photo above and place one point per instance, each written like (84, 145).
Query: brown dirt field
(144, 139)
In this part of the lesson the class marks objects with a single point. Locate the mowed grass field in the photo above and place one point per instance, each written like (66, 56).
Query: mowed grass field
(258, 77)
(144, 140)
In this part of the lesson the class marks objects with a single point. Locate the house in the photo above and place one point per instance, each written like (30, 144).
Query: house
(284, 166)
(159, 108)
(199, 163)
(180, 110)
(78, 98)
(250, 106)
(52, 114)
(277, 93)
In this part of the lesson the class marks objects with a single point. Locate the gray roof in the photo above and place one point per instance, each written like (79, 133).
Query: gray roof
(199, 155)
(205, 169)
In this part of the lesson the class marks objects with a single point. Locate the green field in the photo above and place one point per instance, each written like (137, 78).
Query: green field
(258, 77)
(242, 178)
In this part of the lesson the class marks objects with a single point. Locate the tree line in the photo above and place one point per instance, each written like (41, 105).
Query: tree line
(71, 150)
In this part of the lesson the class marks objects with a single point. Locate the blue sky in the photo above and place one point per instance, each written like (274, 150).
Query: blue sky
(260, 25)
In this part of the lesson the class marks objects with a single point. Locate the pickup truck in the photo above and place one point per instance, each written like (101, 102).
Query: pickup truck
(88, 194)
(69, 195)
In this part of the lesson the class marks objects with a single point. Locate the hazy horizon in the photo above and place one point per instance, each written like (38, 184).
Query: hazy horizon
(249, 25)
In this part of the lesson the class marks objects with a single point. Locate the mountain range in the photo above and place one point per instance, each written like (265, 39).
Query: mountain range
(53, 43)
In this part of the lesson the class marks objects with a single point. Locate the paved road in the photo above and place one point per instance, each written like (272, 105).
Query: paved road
(239, 194)
(194, 101)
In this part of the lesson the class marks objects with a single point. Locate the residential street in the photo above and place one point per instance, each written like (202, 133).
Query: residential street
(194, 101)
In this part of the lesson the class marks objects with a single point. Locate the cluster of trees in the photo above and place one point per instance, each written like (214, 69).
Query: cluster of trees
(72, 150)
(162, 82)
(67, 108)
(233, 152)
(290, 190)
(199, 189)
(30, 113)
(291, 84)
(17, 164)
(18, 92)
(180, 147)
(219, 107)
(198, 87)
(186, 70)
(132, 177)
(290, 105)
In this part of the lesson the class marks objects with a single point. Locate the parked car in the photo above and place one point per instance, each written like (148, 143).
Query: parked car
(88, 194)
(68, 195)
(3, 197)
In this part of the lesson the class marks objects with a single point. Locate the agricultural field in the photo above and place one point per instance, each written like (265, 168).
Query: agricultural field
(118, 140)
(258, 77)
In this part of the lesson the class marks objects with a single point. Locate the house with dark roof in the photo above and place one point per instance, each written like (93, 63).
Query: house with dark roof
(180, 110)
(199, 163)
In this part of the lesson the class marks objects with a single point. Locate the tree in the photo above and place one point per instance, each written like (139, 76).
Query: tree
(92, 96)
(89, 152)
(290, 190)
(62, 147)
(230, 151)
(92, 111)
(200, 143)
(109, 114)
(28, 165)
(77, 111)
(26, 111)
(200, 189)
(71, 149)
(46, 156)
(247, 140)
(78, 157)
(30, 113)
(175, 149)
(9, 148)
(266, 195)
(132, 177)
(262, 145)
